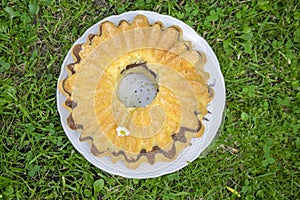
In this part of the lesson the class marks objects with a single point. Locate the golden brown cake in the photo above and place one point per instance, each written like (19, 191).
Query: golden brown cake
(149, 57)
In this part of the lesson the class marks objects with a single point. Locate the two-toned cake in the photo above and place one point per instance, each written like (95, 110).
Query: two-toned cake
(137, 92)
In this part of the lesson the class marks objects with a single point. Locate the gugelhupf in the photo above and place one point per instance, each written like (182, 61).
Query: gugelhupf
(137, 92)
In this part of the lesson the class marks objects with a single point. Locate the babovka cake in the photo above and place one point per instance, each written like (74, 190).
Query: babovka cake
(137, 92)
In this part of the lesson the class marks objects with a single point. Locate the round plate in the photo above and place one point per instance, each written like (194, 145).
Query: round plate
(198, 145)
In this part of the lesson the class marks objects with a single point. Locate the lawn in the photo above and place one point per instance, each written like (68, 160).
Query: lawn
(256, 154)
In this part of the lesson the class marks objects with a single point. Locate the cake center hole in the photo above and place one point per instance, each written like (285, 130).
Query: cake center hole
(137, 87)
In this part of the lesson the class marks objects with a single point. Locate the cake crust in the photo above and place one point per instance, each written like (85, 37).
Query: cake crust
(156, 132)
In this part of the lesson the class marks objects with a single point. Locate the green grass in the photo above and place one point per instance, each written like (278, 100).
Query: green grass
(257, 44)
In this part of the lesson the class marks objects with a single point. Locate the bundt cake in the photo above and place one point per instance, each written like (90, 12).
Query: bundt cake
(137, 92)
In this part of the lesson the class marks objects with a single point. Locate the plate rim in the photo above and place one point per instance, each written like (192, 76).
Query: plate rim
(91, 157)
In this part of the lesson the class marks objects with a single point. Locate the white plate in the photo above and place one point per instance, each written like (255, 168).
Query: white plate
(216, 107)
